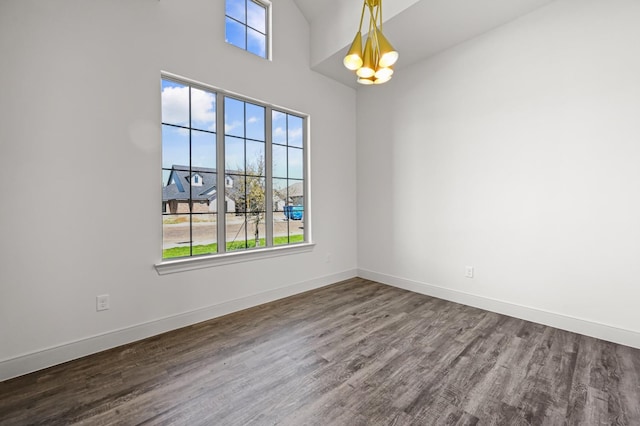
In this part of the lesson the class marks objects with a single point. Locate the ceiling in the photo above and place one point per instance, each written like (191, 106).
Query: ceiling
(313, 8)
(417, 29)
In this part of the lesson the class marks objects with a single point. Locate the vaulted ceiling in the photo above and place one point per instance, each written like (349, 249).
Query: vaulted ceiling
(418, 29)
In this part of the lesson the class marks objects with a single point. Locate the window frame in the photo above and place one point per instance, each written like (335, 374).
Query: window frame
(268, 28)
(222, 257)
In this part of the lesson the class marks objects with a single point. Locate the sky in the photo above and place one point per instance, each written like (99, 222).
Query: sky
(244, 128)
(246, 26)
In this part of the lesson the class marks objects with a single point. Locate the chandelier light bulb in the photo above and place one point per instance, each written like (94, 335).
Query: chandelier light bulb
(353, 60)
(388, 55)
(384, 72)
(367, 70)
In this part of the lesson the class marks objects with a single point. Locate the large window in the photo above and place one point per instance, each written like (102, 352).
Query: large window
(246, 25)
(240, 186)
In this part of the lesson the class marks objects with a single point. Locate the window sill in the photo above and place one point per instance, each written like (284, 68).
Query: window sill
(200, 262)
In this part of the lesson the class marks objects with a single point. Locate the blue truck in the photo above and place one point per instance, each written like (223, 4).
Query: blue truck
(293, 212)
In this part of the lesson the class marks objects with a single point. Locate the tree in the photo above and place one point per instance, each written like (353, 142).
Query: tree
(252, 194)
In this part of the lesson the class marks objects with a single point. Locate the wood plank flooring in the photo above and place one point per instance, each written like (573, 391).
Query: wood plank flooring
(354, 353)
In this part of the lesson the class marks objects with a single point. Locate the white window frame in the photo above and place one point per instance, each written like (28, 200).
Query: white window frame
(168, 266)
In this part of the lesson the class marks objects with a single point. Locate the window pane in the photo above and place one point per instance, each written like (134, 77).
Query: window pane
(295, 131)
(256, 232)
(205, 231)
(255, 122)
(295, 163)
(203, 110)
(279, 160)
(176, 238)
(256, 16)
(230, 182)
(203, 191)
(280, 229)
(236, 232)
(296, 230)
(256, 43)
(288, 215)
(255, 158)
(279, 194)
(236, 33)
(279, 127)
(280, 222)
(255, 190)
(233, 195)
(234, 154)
(175, 146)
(255, 214)
(175, 103)
(203, 149)
(295, 192)
(294, 211)
(233, 117)
(236, 10)
(249, 202)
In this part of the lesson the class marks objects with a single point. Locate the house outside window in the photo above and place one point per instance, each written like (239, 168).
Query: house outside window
(247, 25)
(257, 155)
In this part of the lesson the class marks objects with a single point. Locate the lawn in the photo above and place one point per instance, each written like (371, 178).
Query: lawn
(232, 246)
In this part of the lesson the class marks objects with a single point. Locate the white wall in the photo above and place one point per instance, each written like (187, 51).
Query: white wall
(80, 117)
(517, 153)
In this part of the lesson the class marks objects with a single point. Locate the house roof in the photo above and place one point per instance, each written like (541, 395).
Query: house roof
(181, 188)
(296, 189)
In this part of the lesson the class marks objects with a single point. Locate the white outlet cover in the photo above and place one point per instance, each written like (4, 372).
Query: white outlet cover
(469, 271)
(102, 302)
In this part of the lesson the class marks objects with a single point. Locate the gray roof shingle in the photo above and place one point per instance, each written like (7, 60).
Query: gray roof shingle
(183, 191)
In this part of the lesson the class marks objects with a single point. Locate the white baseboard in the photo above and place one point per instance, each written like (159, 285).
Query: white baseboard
(38, 360)
(552, 319)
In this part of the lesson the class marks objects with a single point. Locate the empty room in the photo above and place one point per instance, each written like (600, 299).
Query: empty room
(428, 212)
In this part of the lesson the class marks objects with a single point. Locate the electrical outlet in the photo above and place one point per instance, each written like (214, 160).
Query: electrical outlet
(328, 258)
(468, 271)
(102, 302)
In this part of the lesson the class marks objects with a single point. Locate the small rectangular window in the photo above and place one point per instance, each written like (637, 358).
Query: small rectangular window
(246, 25)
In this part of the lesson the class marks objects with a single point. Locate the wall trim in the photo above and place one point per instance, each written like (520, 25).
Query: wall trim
(38, 360)
(553, 319)
(200, 262)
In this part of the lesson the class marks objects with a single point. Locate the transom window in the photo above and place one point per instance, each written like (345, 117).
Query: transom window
(246, 25)
(257, 157)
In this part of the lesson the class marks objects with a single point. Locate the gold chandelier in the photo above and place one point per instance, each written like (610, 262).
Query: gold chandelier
(375, 64)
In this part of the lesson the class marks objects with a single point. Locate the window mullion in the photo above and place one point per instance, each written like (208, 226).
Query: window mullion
(306, 183)
(190, 183)
(246, 26)
(246, 209)
(268, 177)
(220, 176)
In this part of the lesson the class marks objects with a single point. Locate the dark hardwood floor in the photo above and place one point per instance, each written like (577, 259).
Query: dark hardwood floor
(354, 353)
